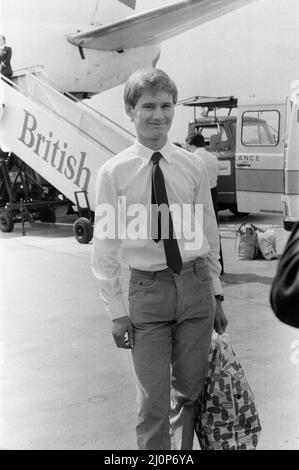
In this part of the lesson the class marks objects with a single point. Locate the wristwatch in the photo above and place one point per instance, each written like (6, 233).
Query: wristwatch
(219, 297)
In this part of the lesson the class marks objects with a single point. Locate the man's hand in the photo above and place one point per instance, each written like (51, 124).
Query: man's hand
(220, 322)
(122, 332)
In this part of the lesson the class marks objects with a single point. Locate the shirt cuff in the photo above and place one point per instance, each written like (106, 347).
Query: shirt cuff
(116, 310)
(217, 287)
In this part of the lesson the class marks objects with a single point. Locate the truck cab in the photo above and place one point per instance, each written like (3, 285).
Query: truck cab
(256, 144)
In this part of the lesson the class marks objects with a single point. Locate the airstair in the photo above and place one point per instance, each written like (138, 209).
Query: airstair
(56, 139)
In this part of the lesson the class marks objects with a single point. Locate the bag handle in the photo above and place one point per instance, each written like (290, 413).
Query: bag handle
(239, 229)
(202, 394)
(254, 227)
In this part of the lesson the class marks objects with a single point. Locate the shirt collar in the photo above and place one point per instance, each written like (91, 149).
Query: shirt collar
(146, 153)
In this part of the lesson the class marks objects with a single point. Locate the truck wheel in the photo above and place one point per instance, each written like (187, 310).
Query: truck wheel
(47, 214)
(234, 209)
(6, 222)
(83, 230)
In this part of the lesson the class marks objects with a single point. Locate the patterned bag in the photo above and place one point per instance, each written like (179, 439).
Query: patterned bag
(226, 418)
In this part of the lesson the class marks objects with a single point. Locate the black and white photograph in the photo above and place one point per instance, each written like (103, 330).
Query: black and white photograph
(149, 227)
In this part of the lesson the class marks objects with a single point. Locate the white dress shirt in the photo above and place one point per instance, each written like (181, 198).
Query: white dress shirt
(128, 175)
(212, 165)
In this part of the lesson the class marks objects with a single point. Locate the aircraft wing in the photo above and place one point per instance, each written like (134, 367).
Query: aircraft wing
(154, 26)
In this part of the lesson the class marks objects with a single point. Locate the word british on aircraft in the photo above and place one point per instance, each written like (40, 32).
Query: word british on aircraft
(93, 45)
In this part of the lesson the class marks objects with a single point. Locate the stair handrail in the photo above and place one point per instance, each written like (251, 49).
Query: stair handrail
(10, 82)
(52, 86)
(20, 90)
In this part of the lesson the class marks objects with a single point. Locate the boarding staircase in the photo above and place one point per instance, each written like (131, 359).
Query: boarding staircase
(63, 140)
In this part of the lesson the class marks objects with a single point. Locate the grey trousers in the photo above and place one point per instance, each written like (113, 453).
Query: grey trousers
(173, 318)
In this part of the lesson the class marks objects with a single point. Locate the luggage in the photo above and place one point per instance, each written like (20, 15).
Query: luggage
(253, 242)
(246, 242)
(267, 243)
(226, 417)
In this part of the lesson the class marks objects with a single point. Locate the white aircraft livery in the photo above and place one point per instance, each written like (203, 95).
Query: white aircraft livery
(89, 46)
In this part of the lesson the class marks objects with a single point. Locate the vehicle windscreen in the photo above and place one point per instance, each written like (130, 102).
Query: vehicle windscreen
(215, 136)
(257, 131)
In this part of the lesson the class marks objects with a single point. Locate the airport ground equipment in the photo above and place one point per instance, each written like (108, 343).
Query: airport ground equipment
(82, 228)
(257, 146)
(52, 146)
(24, 195)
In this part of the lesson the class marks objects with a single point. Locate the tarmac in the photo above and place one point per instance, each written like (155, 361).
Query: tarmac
(64, 384)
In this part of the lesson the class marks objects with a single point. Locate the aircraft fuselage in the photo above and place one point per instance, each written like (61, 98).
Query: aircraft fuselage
(74, 70)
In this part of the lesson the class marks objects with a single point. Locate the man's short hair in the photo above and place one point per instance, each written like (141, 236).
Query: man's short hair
(196, 139)
(3, 37)
(152, 80)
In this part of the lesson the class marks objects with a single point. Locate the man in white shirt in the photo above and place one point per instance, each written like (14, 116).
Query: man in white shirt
(175, 293)
(196, 144)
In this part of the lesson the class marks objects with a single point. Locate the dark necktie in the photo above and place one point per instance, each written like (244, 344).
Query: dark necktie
(159, 196)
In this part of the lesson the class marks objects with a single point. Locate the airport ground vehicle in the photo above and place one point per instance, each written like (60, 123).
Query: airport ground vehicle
(52, 147)
(257, 145)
